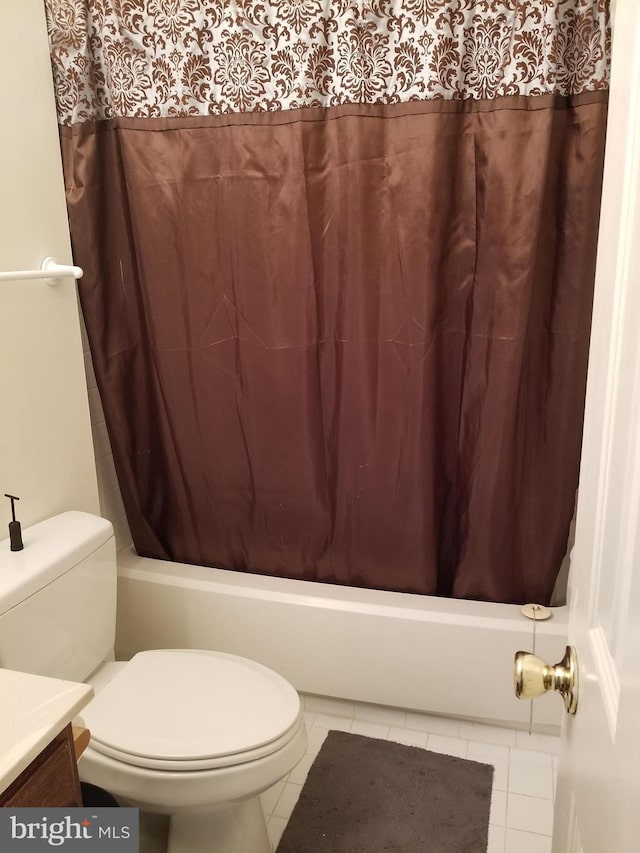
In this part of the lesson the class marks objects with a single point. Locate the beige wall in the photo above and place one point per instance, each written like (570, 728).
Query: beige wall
(46, 454)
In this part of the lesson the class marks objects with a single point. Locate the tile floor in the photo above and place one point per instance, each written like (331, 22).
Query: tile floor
(524, 781)
(521, 818)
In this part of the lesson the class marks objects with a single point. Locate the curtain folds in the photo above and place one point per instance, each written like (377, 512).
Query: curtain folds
(345, 342)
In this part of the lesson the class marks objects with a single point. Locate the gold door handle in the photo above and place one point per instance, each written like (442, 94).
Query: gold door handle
(533, 677)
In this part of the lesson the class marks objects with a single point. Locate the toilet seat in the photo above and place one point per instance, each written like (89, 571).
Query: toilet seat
(185, 710)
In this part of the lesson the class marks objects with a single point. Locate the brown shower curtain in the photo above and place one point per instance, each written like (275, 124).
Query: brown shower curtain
(339, 262)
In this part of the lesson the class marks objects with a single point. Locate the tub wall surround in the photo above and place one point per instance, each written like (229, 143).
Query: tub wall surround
(109, 496)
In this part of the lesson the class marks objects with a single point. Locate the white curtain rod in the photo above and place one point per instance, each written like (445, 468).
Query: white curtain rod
(49, 271)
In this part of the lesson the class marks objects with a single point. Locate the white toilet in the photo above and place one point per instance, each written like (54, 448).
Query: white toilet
(197, 735)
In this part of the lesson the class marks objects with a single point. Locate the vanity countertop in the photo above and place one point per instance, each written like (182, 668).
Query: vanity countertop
(33, 710)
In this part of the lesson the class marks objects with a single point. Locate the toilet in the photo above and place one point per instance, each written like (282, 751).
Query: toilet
(197, 735)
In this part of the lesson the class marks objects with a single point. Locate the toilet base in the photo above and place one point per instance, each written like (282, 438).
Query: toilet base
(235, 828)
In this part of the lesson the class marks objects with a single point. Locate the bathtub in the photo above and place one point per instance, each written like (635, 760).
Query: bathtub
(437, 655)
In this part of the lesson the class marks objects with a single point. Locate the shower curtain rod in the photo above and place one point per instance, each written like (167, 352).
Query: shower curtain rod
(49, 271)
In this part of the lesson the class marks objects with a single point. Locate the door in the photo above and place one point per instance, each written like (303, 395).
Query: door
(598, 795)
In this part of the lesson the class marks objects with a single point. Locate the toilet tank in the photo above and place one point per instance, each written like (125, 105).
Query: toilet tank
(58, 597)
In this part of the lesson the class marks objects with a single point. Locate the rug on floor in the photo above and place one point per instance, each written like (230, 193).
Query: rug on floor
(365, 795)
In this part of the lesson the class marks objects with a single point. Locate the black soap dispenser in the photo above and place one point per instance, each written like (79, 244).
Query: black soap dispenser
(15, 531)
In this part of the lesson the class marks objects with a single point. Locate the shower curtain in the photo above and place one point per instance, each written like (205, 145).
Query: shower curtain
(339, 261)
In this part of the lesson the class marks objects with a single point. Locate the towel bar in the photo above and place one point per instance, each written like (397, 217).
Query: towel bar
(49, 271)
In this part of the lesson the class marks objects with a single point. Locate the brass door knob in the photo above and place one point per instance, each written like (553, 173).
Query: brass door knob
(533, 677)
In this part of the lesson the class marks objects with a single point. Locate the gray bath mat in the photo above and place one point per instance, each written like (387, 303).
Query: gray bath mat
(364, 795)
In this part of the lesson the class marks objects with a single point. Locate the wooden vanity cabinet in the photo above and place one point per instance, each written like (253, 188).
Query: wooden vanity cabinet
(51, 780)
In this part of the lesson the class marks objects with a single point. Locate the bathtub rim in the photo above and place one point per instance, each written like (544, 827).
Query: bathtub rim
(406, 605)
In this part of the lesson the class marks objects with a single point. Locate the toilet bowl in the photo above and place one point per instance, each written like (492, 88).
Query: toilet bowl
(194, 734)
(197, 735)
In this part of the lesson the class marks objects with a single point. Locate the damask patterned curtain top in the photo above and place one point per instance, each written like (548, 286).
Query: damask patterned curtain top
(163, 58)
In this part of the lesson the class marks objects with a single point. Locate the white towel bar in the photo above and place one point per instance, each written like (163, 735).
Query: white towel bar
(49, 271)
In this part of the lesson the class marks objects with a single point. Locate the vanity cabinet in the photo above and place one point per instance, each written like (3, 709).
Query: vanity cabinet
(51, 780)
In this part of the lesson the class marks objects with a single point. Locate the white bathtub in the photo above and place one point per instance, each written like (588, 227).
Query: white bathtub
(438, 655)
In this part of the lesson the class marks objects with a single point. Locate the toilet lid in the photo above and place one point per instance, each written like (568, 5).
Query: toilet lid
(191, 706)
